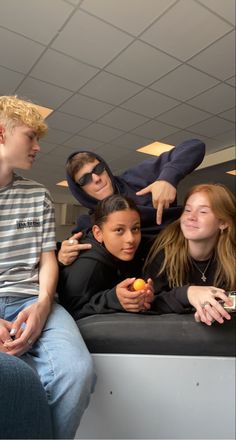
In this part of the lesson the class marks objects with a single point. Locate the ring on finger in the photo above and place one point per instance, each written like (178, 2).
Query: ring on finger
(30, 342)
(205, 303)
(214, 291)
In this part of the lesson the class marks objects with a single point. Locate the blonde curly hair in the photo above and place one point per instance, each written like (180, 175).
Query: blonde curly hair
(15, 112)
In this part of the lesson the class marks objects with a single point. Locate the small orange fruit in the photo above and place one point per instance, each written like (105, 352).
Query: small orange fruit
(138, 284)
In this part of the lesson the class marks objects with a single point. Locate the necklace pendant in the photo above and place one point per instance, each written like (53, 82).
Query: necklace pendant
(203, 278)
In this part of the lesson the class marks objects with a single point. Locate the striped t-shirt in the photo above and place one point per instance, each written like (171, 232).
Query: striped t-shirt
(27, 228)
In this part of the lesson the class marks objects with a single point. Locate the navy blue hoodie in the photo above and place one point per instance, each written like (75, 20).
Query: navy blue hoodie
(171, 166)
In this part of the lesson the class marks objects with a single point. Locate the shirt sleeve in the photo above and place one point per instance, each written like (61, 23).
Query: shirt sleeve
(49, 234)
(171, 166)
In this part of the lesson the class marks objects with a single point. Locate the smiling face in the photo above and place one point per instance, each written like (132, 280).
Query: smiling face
(198, 222)
(120, 233)
(19, 147)
(100, 185)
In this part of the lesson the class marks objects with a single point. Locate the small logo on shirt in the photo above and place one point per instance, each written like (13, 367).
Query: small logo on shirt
(28, 223)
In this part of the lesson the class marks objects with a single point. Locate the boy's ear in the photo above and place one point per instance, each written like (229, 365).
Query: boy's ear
(97, 233)
(2, 131)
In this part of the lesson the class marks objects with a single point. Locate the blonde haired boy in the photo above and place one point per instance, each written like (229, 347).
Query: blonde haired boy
(32, 325)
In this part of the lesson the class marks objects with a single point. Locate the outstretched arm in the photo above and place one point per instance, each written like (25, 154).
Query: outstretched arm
(171, 167)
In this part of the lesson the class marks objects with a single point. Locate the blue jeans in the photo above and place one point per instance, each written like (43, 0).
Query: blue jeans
(62, 362)
(22, 417)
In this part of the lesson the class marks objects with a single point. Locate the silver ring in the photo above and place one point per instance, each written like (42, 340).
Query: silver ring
(30, 342)
(71, 241)
(206, 303)
(214, 292)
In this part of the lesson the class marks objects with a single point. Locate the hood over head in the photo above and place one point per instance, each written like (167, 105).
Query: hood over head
(83, 198)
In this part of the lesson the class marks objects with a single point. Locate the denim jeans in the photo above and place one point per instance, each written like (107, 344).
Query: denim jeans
(22, 417)
(62, 362)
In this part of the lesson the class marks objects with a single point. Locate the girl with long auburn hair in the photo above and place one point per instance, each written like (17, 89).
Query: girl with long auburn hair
(192, 261)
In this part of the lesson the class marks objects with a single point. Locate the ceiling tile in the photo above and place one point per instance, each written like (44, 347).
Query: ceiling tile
(231, 81)
(80, 142)
(56, 136)
(155, 130)
(100, 132)
(63, 71)
(142, 63)
(181, 136)
(215, 100)
(35, 19)
(110, 152)
(97, 47)
(85, 107)
(110, 88)
(149, 103)
(185, 19)
(225, 9)
(217, 61)
(229, 115)
(71, 124)
(42, 93)
(132, 16)
(123, 119)
(9, 81)
(212, 127)
(183, 116)
(184, 83)
(46, 147)
(132, 141)
(19, 53)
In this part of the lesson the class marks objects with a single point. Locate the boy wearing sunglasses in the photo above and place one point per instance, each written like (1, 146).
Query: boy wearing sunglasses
(151, 184)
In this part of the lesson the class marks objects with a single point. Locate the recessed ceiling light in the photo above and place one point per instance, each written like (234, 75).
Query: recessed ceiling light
(63, 183)
(44, 111)
(155, 149)
(233, 172)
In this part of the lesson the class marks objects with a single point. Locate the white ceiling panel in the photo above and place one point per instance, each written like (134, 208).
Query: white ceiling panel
(56, 136)
(134, 63)
(9, 81)
(123, 119)
(212, 127)
(155, 130)
(129, 15)
(19, 53)
(85, 107)
(219, 98)
(97, 47)
(231, 81)
(101, 132)
(71, 123)
(149, 103)
(183, 116)
(42, 93)
(80, 142)
(173, 85)
(226, 8)
(110, 88)
(177, 34)
(229, 115)
(110, 152)
(62, 70)
(132, 141)
(217, 61)
(35, 19)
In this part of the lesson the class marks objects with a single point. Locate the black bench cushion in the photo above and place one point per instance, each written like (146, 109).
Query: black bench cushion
(168, 334)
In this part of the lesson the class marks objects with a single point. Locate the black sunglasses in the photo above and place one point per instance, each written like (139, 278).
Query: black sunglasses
(87, 178)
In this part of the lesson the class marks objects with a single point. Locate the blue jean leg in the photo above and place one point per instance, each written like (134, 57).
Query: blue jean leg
(24, 411)
(65, 368)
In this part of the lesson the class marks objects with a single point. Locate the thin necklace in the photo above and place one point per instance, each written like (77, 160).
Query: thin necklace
(203, 277)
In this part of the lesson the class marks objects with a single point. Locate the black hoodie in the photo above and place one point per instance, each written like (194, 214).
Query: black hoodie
(171, 166)
(88, 286)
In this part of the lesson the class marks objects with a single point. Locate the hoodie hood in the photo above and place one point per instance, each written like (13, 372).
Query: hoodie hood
(83, 198)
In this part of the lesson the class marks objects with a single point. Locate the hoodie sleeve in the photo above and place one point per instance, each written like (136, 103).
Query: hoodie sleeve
(81, 289)
(167, 300)
(171, 166)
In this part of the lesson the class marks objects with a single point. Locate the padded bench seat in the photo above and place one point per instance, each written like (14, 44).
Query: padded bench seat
(167, 334)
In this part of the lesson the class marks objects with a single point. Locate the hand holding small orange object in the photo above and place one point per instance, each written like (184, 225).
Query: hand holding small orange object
(139, 284)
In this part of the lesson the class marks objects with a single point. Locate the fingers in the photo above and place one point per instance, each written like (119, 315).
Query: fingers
(160, 208)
